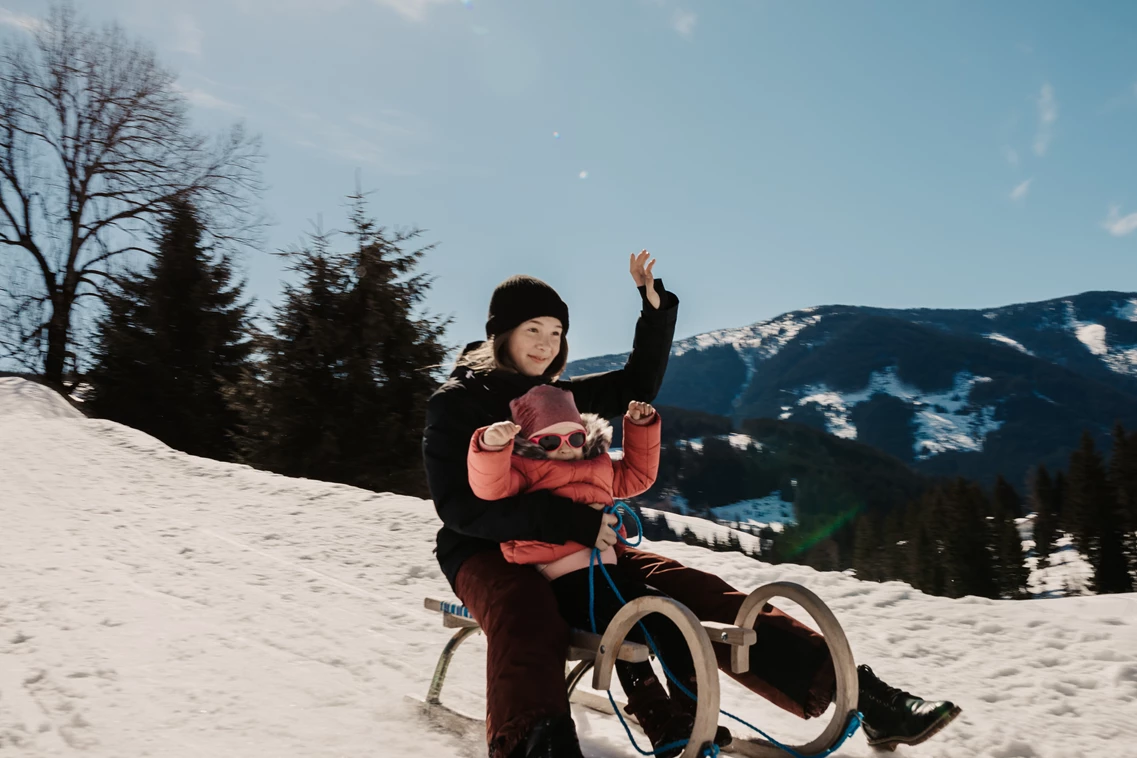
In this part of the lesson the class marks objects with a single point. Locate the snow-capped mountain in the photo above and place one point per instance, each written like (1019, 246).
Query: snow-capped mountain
(975, 392)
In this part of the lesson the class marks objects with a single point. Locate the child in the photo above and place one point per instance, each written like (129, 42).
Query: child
(551, 446)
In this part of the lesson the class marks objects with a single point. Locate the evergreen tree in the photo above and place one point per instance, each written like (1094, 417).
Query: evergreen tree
(866, 549)
(969, 568)
(174, 345)
(1093, 509)
(1123, 479)
(348, 371)
(923, 555)
(894, 550)
(1044, 496)
(1061, 494)
(1011, 568)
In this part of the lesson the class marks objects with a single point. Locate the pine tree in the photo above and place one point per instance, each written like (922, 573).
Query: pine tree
(1123, 479)
(1043, 500)
(1011, 568)
(923, 557)
(1093, 510)
(349, 368)
(174, 345)
(969, 568)
(866, 549)
(893, 548)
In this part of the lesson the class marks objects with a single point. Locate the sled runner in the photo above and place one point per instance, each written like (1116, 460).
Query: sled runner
(600, 653)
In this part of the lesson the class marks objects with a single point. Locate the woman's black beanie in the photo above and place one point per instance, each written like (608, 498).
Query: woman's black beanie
(520, 298)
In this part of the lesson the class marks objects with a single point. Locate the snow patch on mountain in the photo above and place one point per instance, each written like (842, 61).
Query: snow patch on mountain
(736, 440)
(1126, 311)
(1121, 359)
(761, 341)
(945, 420)
(1007, 341)
(706, 530)
(1093, 337)
(760, 511)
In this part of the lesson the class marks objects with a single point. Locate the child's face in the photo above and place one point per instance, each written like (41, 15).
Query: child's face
(565, 452)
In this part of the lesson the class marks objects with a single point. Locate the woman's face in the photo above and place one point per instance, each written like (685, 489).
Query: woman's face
(534, 345)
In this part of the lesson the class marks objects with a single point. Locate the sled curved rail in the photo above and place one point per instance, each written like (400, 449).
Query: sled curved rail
(702, 654)
(843, 664)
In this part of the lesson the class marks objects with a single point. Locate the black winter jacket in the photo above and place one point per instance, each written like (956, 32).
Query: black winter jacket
(470, 400)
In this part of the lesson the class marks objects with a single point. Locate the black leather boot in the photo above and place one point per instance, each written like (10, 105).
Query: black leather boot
(723, 737)
(662, 719)
(894, 717)
(551, 737)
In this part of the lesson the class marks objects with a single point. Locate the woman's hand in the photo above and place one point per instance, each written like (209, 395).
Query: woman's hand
(642, 275)
(640, 413)
(498, 435)
(607, 537)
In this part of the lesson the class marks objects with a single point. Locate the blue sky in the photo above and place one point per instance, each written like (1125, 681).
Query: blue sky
(772, 155)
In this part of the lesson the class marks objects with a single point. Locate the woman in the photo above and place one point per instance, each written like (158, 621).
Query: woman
(527, 708)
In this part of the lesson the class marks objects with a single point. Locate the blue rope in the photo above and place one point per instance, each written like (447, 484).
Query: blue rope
(594, 560)
(712, 751)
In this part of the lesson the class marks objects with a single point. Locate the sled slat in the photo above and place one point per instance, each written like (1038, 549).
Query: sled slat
(583, 646)
(586, 646)
(728, 634)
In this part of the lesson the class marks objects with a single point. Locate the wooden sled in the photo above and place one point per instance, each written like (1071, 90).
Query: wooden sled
(600, 653)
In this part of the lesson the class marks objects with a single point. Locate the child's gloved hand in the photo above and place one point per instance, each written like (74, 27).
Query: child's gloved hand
(640, 413)
(499, 434)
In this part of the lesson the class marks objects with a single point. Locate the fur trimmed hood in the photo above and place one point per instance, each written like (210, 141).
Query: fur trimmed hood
(597, 440)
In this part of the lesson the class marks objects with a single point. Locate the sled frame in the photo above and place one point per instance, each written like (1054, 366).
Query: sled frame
(599, 654)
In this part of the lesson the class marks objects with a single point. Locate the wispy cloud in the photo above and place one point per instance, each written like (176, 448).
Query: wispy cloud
(1126, 99)
(1119, 225)
(187, 34)
(1047, 115)
(1011, 155)
(1021, 190)
(20, 21)
(203, 99)
(683, 22)
(379, 141)
(412, 10)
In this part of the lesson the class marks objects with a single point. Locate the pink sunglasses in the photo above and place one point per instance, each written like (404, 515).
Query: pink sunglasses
(551, 442)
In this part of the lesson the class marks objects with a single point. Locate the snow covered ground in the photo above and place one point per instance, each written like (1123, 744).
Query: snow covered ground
(157, 604)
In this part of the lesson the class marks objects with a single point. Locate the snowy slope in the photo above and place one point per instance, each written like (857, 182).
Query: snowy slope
(157, 604)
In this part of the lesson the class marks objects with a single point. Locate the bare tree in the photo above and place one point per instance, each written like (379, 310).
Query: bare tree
(95, 143)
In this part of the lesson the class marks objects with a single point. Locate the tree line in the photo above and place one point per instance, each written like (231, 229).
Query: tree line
(944, 537)
(120, 230)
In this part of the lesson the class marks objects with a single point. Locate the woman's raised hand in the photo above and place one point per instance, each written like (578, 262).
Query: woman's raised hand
(642, 275)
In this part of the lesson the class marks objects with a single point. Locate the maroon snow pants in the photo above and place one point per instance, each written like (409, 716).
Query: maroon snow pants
(527, 639)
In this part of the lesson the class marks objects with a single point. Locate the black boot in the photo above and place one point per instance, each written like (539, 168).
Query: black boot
(723, 736)
(894, 717)
(551, 737)
(662, 719)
